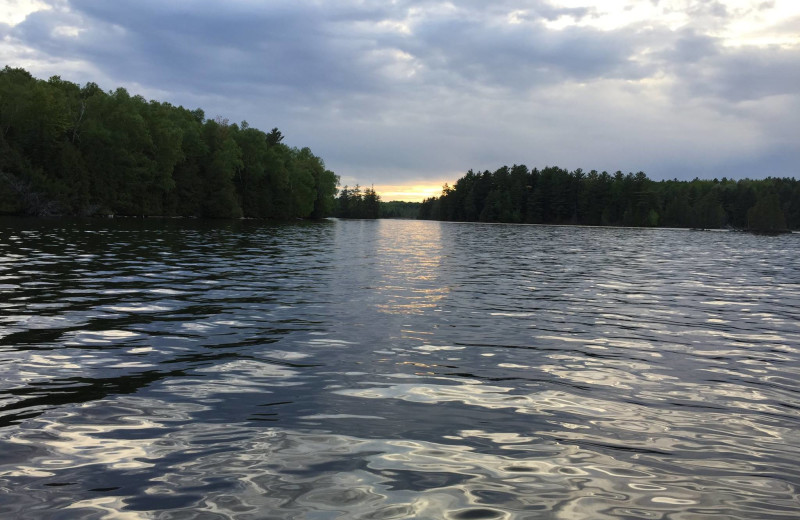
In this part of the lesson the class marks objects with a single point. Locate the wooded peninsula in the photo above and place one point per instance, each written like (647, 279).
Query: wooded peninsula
(557, 196)
(72, 150)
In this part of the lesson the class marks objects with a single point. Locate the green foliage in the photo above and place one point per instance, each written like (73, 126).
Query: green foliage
(399, 209)
(66, 149)
(766, 216)
(353, 203)
(557, 196)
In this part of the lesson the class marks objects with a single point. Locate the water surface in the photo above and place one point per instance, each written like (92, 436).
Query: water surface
(396, 369)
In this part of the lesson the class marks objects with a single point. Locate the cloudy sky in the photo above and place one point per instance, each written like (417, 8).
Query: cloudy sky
(409, 94)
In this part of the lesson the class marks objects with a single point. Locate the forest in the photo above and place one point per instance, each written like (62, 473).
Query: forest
(556, 196)
(400, 209)
(355, 203)
(72, 150)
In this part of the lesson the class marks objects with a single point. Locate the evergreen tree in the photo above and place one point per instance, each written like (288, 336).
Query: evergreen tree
(66, 149)
(766, 216)
(556, 196)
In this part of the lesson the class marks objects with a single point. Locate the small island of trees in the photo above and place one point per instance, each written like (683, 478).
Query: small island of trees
(355, 203)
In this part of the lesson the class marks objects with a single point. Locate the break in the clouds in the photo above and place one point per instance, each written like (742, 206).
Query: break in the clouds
(415, 92)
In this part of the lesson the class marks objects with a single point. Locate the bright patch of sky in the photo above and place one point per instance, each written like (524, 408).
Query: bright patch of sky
(736, 22)
(13, 12)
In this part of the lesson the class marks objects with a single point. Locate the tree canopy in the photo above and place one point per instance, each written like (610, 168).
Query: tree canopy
(400, 209)
(556, 196)
(71, 150)
(355, 203)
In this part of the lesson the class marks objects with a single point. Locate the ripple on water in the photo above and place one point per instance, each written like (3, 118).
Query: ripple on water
(239, 370)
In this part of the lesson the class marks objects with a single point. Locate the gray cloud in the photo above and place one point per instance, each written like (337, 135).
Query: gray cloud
(386, 90)
(521, 56)
(151, 42)
(691, 47)
(749, 75)
(310, 49)
(705, 68)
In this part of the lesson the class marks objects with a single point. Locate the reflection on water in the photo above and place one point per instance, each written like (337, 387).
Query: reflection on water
(396, 369)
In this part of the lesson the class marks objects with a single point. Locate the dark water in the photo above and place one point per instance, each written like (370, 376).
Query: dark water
(396, 369)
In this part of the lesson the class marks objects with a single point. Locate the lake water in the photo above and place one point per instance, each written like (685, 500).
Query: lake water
(396, 369)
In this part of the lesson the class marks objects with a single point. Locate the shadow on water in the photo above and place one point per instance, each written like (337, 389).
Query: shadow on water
(43, 396)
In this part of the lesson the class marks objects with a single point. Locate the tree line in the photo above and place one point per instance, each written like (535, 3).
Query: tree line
(72, 150)
(400, 209)
(355, 203)
(554, 195)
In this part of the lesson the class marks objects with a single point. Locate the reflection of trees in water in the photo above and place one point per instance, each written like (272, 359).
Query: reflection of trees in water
(115, 307)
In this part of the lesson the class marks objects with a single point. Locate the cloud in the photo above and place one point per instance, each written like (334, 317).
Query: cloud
(324, 51)
(195, 48)
(387, 91)
(749, 74)
(706, 68)
(518, 56)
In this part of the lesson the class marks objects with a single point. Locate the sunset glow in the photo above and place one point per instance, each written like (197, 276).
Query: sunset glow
(409, 192)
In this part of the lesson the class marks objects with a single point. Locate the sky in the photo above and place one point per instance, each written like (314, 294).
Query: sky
(405, 95)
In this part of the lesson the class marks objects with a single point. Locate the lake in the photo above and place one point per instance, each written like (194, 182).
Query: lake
(186, 369)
